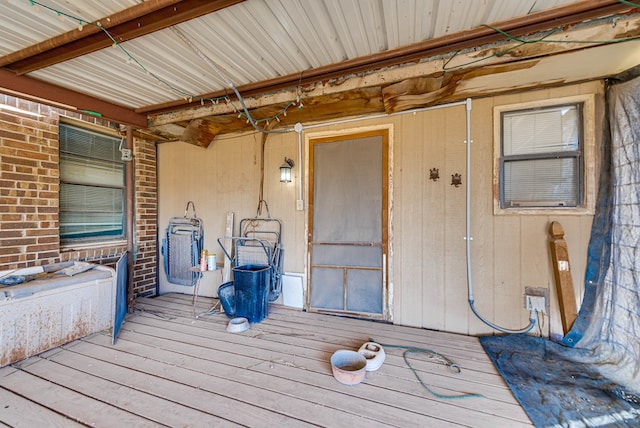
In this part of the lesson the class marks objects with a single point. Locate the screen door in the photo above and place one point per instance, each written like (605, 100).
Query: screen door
(348, 224)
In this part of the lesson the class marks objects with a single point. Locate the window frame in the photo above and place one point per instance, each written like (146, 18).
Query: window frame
(95, 241)
(587, 169)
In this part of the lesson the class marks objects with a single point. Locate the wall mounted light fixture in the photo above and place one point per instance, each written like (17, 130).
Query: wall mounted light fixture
(285, 170)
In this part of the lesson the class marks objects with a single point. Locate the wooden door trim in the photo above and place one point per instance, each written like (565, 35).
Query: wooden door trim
(383, 132)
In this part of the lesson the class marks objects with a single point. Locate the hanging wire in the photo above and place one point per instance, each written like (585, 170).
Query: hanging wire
(131, 59)
(628, 3)
(555, 30)
(244, 112)
(543, 39)
(495, 54)
(229, 83)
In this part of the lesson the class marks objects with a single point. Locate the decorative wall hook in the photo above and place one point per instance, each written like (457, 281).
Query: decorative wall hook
(456, 180)
(434, 174)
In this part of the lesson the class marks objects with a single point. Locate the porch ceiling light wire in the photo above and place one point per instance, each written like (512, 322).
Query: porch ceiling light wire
(228, 82)
(532, 319)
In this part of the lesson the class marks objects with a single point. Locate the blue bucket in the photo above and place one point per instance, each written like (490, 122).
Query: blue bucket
(252, 291)
(227, 296)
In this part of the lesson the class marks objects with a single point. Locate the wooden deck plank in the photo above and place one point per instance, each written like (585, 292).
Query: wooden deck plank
(394, 365)
(320, 365)
(425, 406)
(413, 398)
(301, 333)
(180, 385)
(15, 411)
(310, 317)
(119, 395)
(309, 402)
(411, 335)
(64, 401)
(330, 333)
(248, 376)
(463, 357)
(304, 341)
(171, 369)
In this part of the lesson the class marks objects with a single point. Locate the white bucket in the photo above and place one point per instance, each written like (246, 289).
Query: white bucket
(211, 262)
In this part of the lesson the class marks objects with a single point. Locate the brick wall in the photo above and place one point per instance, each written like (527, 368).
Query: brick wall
(29, 185)
(29, 188)
(146, 199)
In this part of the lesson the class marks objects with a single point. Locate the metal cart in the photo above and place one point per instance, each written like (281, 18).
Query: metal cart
(259, 244)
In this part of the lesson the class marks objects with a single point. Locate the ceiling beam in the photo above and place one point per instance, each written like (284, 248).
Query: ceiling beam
(422, 90)
(110, 21)
(129, 24)
(575, 38)
(46, 93)
(530, 24)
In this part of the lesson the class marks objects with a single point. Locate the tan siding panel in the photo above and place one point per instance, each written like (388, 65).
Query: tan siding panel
(413, 223)
(456, 313)
(482, 225)
(434, 214)
(510, 252)
(507, 268)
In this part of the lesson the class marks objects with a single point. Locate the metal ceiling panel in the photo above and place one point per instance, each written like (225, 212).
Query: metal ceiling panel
(24, 24)
(245, 43)
(157, 72)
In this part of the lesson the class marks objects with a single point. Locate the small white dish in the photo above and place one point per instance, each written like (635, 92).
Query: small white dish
(374, 354)
(238, 325)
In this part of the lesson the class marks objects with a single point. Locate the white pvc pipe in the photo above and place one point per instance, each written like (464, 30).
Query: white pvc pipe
(468, 238)
(467, 104)
(298, 128)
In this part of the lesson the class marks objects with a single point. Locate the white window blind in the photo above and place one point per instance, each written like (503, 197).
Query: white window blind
(541, 157)
(92, 203)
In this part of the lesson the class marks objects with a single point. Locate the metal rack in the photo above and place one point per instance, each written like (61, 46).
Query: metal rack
(259, 244)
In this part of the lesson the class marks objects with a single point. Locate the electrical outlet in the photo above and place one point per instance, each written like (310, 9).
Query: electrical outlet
(126, 155)
(300, 205)
(534, 303)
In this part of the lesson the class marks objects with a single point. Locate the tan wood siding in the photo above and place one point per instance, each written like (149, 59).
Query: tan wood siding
(427, 229)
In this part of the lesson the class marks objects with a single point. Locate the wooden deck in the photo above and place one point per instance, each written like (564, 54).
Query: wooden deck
(169, 369)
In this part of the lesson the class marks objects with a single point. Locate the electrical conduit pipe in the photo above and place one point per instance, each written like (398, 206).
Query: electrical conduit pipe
(299, 128)
(532, 320)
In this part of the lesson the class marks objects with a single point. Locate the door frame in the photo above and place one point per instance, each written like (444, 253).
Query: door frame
(386, 130)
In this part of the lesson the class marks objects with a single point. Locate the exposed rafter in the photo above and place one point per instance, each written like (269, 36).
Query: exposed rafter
(155, 15)
(126, 25)
(136, 21)
(37, 90)
(530, 24)
(476, 73)
(77, 34)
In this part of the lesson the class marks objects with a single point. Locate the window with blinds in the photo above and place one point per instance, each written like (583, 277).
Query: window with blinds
(541, 163)
(92, 191)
